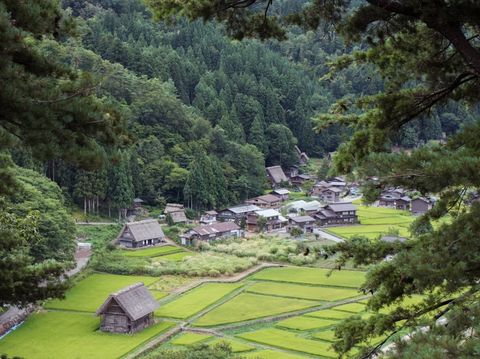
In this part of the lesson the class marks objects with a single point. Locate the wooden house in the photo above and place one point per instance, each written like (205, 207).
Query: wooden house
(141, 234)
(238, 213)
(211, 232)
(395, 198)
(281, 193)
(209, 217)
(265, 201)
(177, 212)
(128, 311)
(420, 205)
(274, 220)
(337, 214)
(305, 223)
(276, 176)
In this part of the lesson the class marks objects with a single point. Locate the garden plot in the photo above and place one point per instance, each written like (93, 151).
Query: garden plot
(302, 291)
(327, 335)
(88, 294)
(196, 300)
(190, 339)
(313, 276)
(59, 335)
(248, 306)
(306, 323)
(288, 340)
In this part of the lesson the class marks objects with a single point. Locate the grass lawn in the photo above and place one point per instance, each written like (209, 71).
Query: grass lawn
(328, 335)
(62, 335)
(196, 299)
(237, 347)
(302, 291)
(272, 354)
(306, 323)
(176, 257)
(189, 338)
(315, 276)
(330, 314)
(288, 340)
(247, 306)
(376, 221)
(88, 294)
(351, 307)
(152, 251)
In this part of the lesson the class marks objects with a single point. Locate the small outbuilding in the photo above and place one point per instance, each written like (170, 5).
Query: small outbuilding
(129, 310)
(141, 234)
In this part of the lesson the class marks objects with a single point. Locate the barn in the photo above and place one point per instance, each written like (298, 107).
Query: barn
(128, 311)
(141, 234)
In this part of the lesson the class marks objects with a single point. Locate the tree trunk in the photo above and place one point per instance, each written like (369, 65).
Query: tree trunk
(84, 205)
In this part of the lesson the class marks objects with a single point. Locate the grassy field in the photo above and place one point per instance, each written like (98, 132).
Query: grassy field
(237, 347)
(376, 221)
(247, 306)
(152, 251)
(176, 257)
(189, 338)
(328, 335)
(306, 323)
(288, 340)
(195, 300)
(88, 294)
(272, 354)
(351, 307)
(315, 276)
(330, 314)
(59, 335)
(302, 291)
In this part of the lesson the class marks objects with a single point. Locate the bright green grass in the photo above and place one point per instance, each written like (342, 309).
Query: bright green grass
(305, 323)
(302, 291)
(369, 231)
(176, 257)
(247, 306)
(288, 340)
(330, 314)
(152, 251)
(196, 300)
(237, 347)
(158, 294)
(351, 307)
(88, 294)
(60, 335)
(328, 335)
(272, 354)
(316, 276)
(190, 338)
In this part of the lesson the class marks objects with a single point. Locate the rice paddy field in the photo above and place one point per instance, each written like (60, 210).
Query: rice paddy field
(280, 312)
(376, 221)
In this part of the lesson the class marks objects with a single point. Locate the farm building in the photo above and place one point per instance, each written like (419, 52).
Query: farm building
(276, 176)
(305, 223)
(395, 198)
(420, 205)
(176, 212)
(211, 232)
(274, 220)
(281, 193)
(265, 201)
(209, 217)
(337, 214)
(128, 310)
(141, 234)
(238, 213)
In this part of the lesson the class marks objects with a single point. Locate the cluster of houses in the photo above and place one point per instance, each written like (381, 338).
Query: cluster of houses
(398, 198)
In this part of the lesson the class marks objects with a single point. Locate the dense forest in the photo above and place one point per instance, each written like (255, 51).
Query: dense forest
(205, 114)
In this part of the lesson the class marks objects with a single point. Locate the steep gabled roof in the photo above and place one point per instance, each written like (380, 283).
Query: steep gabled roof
(144, 230)
(178, 216)
(135, 300)
(173, 207)
(341, 207)
(276, 174)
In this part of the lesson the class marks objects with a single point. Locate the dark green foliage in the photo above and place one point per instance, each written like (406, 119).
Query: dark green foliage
(219, 351)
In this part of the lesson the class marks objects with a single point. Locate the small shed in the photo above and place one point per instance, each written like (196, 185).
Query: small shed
(128, 311)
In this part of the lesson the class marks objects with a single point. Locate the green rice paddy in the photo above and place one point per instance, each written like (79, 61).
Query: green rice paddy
(152, 251)
(306, 323)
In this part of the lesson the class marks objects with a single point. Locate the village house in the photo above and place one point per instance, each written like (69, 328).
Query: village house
(305, 223)
(209, 217)
(302, 206)
(273, 220)
(265, 201)
(299, 179)
(281, 193)
(238, 213)
(395, 198)
(420, 205)
(302, 156)
(141, 234)
(276, 176)
(211, 232)
(128, 311)
(337, 214)
(331, 194)
(176, 212)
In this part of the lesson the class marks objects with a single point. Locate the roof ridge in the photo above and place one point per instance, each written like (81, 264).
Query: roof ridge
(127, 289)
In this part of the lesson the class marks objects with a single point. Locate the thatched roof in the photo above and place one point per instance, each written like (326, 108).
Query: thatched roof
(276, 174)
(179, 217)
(173, 207)
(135, 300)
(144, 230)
